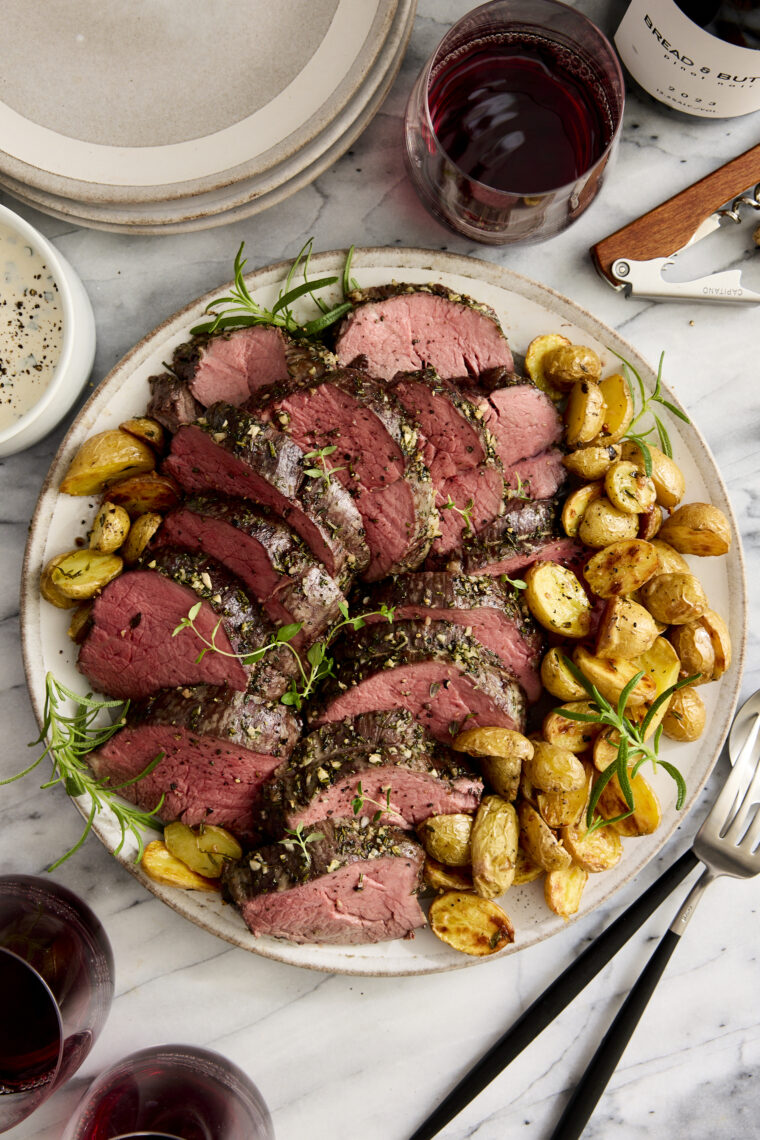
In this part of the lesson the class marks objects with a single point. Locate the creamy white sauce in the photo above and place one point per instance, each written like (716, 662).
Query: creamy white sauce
(31, 326)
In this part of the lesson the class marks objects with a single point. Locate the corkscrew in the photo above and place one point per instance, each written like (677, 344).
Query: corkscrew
(633, 258)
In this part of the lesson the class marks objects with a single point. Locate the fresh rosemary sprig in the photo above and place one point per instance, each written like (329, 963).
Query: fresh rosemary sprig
(360, 799)
(296, 836)
(632, 743)
(69, 740)
(323, 471)
(319, 664)
(237, 309)
(640, 437)
(465, 512)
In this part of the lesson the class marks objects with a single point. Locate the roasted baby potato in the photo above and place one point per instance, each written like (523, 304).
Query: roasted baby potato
(686, 716)
(539, 842)
(49, 589)
(584, 413)
(610, 675)
(669, 560)
(646, 816)
(629, 489)
(693, 644)
(446, 838)
(526, 871)
(562, 809)
(574, 735)
(721, 641)
(554, 769)
(667, 476)
(563, 890)
(182, 842)
(140, 534)
(162, 867)
(618, 409)
(144, 494)
(442, 878)
(674, 599)
(500, 753)
(103, 459)
(557, 600)
(650, 522)
(535, 359)
(698, 528)
(575, 506)
(494, 847)
(592, 461)
(147, 430)
(569, 363)
(110, 529)
(626, 629)
(606, 748)
(469, 923)
(218, 841)
(80, 622)
(598, 851)
(81, 574)
(621, 568)
(557, 678)
(603, 524)
(662, 664)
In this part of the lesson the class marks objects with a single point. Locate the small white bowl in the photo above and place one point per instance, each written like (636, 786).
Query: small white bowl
(77, 350)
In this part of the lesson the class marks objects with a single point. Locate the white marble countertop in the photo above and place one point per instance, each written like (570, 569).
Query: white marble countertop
(340, 1057)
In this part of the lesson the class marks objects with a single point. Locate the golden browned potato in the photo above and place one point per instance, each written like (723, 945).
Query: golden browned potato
(621, 568)
(502, 773)
(626, 629)
(619, 410)
(561, 809)
(666, 475)
(104, 458)
(526, 871)
(629, 489)
(500, 752)
(145, 494)
(539, 842)
(535, 359)
(606, 748)
(557, 600)
(598, 851)
(584, 413)
(182, 842)
(563, 890)
(686, 716)
(218, 841)
(697, 528)
(494, 847)
(693, 644)
(674, 599)
(610, 675)
(80, 622)
(470, 924)
(49, 589)
(446, 838)
(140, 534)
(575, 506)
(662, 664)
(81, 574)
(650, 522)
(646, 816)
(565, 365)
(669, 560)
(557, 678)
(574, 735)
(146, 429)
(162, 867)
(603, 524)
(110, 529)
(443, 878)
(592, 461)
(554, 769)
(721, 641)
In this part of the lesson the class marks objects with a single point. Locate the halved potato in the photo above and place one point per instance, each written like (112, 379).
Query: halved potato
(584, 413)
(694, 646)
(650, 523)
(647, 814)
(575, 506)
(721, 641)
(606, 748)
(500, 753)
(539, 842)
(110, 529)
(598, 851)
(563, 890)
(686, 715)
(81, 574)
(674, 599)
(526, 871)
(218, 841)
(562, 809)
(698, 528)
(80, 622)
(557, 678)
(610, 675)
(535, 360)
(162, 867)
(574, 735)
(629, 489)
(557, 600)
(442, 878)
(143, 494)
(670, 561)
(603, 523)
(626, 629)
(140, 534)
(662, 664)
(446, 838)
(619, 409)
(148, 430)
(494, 847)
(666, 475)
(50, 590)
(621, 568)
(469, 923)
(554, 769)
(182, 842)
(591, 461)
(566, 364)
(104, 458)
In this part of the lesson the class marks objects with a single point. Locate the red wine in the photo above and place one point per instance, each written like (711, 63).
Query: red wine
(30, 1028)
(518, 114)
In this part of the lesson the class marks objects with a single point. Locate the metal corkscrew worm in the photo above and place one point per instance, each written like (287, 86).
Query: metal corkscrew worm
(743, 200)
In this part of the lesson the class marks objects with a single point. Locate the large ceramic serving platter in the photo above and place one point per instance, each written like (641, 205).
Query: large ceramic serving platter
(525, 309)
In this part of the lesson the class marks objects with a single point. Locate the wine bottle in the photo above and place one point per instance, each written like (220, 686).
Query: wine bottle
(701, 57)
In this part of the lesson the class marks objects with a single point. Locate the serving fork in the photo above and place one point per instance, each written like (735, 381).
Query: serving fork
(727, 843)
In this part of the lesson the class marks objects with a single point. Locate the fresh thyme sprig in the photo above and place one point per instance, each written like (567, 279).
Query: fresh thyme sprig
(69, 740)
(296, 836)
(323, 471)
(360, 799)
(319, 663)
(237, 309)
(465, 512)
(640, 437)
(632, 743)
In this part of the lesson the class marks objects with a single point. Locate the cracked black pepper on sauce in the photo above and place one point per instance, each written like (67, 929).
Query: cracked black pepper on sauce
(31, 326)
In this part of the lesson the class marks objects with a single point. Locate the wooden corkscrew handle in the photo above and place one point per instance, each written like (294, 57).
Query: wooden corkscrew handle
(668, 227)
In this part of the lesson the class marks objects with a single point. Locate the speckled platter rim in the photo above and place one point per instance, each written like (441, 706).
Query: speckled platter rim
(530, 308)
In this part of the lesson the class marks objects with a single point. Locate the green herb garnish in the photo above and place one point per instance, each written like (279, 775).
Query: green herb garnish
(297, 837)
(640, 437)
(465, 512)
(360, 799)
(323, 471)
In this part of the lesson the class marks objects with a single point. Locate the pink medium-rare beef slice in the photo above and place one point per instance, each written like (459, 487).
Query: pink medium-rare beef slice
(378, 762)
(266, 554)
(527, 532)
(351, 885)
(402, 328)
(437, 671)
(489, 610)
(458, 452)
(539, 477)
(233, 453)
(377, 457)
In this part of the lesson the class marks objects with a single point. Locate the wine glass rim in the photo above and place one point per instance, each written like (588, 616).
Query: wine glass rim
(50, 1083)
(618, 79)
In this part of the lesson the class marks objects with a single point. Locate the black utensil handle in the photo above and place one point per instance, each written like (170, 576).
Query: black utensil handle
(604, 1062)
(556, 997)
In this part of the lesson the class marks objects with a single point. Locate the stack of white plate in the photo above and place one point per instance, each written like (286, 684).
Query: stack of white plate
(161, 116)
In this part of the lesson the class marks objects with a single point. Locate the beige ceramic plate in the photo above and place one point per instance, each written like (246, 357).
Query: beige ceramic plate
(525, 309)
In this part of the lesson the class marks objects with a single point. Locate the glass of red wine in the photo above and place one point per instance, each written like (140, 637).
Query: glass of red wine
(172, 1092)
(513, 121)
(56, 986)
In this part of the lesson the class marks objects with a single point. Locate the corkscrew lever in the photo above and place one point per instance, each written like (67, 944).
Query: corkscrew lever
(633, 258)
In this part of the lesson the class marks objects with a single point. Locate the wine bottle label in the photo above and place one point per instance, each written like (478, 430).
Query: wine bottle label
(685, 66)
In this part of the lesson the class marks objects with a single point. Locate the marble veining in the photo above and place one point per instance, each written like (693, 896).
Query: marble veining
(338, 1058)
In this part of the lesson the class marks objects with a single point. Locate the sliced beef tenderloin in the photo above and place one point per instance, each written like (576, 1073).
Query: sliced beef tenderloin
(402, 328)
(378, 457)
(171, 402)
(232, 452)
(490, 610)
(381, 762)
(217, 745)
(436, 670)
(458, 453)
(527, 532)
(267, 556)
(349, 884)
